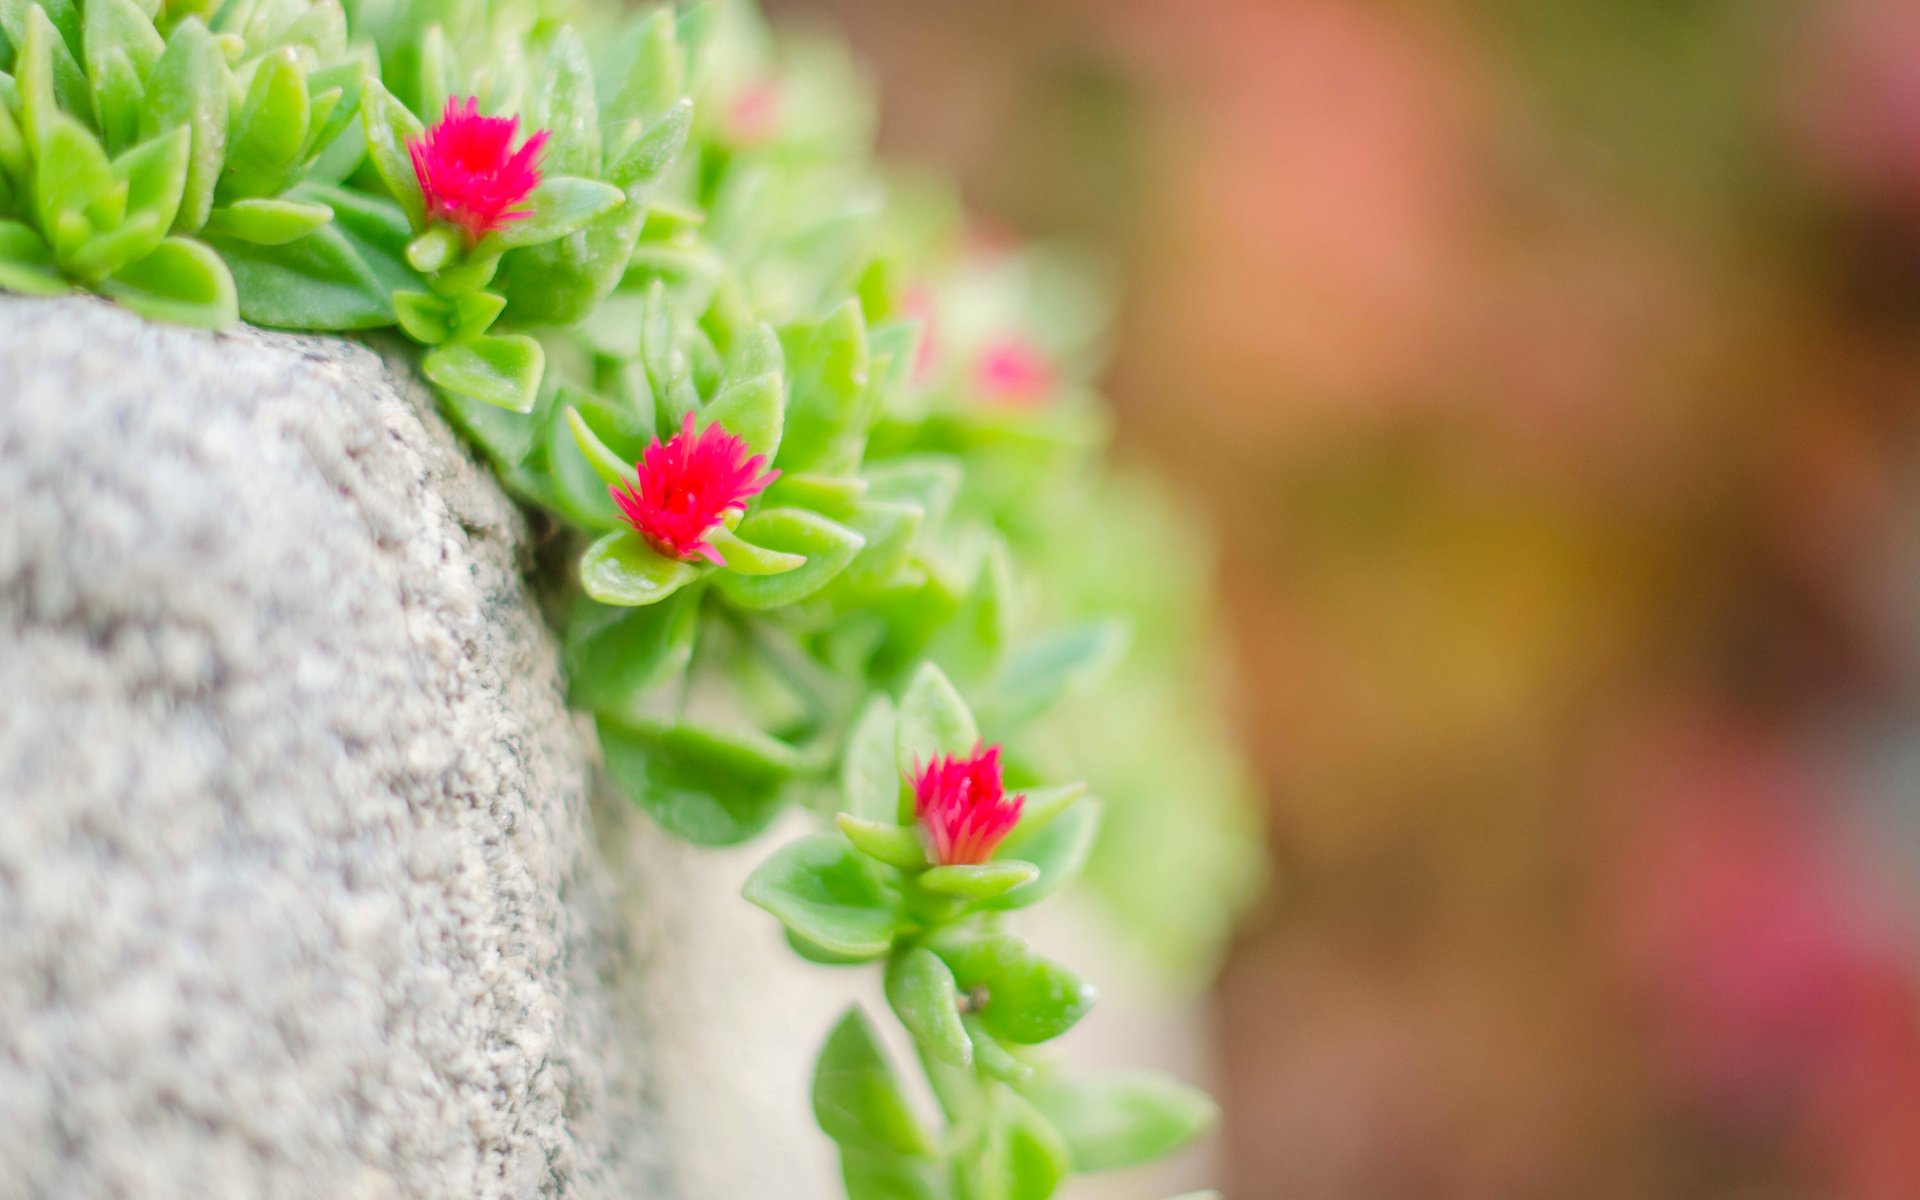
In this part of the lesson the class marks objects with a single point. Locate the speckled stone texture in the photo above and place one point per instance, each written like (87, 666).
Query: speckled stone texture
(302, 893)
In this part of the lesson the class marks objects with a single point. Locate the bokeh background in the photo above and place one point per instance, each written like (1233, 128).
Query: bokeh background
(1549, 374)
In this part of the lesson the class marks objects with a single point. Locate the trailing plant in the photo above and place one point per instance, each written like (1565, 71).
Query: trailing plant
(827, 475)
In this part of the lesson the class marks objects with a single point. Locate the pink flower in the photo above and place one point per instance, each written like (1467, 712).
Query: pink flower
(755, 114)
(964, 807)
(1014, 370)
(687, 485)
(469, 174)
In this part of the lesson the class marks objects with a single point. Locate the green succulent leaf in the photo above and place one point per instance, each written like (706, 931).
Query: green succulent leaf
(317, 281)
(104, 253)
(870, 777)
(1058, 849)
(27, 265)
(869, 1175)
(47, 69)
(560, 282)
(622, 570)
(498, 369)
(559, 206)
(824, 892)
(585, 465)
(835, 496)
(934, 720)
(424, 317)
(752, 409)
(267, 222)
(857, 1096)
(1122, 1118)
(923, 994)
(1029, 998)
(826, 420)
(889, 529)
(181, 281)
(994, 1058)
(744, 558)
(73, 184)
(155, 173)
(1036, 1157)
(713, 787)
(883, 841)
(390, 128)
(1037, 673)
(270, 130)
(121, 47)
(563, 104)
(979, 881)
(188, 87)
(617, 655)
(613, 469)
(827, 546)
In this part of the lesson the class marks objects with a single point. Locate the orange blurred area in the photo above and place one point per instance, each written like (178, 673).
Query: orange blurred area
(1551, 372)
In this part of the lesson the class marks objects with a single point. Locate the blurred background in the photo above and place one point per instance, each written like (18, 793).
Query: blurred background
(1549, 373)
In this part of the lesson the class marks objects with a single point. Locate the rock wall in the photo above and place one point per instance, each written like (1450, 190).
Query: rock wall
(301, 890)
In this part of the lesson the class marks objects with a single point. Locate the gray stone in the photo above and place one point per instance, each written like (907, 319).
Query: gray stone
(301, 890)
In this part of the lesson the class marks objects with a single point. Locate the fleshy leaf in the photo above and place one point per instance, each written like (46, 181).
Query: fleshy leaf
(713, 787)
(615, 656)
(934, 720)
(895, 845)
(622, 570)
(121, 48)
(268, 222)
(745, 558)
(319, 281)
(826, 419)
(980, 881)
(559, 206)
(27, 265)
(269, 131)
(828, 548)
(1036, 1156)
(1029, 998)
(181, 281)
(188, 86)
(499, 369)
(389, 128)
(1059, 848)
(819, 888)
(857, 1097)
(1122, 1118)
(752, 409)
(923, 994)
(870, 779)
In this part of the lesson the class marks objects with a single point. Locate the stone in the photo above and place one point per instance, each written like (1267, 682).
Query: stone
(304, 891)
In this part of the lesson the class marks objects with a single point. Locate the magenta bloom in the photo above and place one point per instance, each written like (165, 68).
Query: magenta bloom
(964, 806)
(687, 485)
(1014, 370)
(755, 114)
(469, 172)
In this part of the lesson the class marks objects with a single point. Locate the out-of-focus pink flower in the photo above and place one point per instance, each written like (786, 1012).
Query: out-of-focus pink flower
(687, 486)
(1783, 1000)
(963, 806)
(1854, 104)
(1013, 370)
(755, 114)
(470, 175)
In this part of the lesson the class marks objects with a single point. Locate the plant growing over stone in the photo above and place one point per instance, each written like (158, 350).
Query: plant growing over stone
(813, 461)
